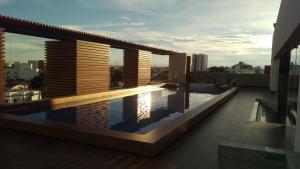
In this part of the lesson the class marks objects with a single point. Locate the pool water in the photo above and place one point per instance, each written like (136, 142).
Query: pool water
(139, 113)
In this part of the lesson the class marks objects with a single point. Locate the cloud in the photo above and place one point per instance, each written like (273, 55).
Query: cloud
(5, 2)
(97, 27)
(23, 48)
(161, 36)
(225, 30)
(125, 18)
(122, 24)
(73, 27)
(236, 43)
(138, 6)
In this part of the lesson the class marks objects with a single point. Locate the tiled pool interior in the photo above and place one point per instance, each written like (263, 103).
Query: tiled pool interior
(237, 156)
(139, 113)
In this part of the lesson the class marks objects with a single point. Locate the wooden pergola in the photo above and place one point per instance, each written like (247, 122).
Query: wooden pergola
(78, 62)
(25, 27)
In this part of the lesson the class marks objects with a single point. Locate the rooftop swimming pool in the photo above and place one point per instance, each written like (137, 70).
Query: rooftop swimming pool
(142, 123)
(138, 113)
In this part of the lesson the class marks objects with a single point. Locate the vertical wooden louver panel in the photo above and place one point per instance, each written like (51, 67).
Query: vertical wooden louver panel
(130, 71)
(144, 68)
(137, 68)
(93, 74)
(2, 63)
(76, 68)
(61, 68)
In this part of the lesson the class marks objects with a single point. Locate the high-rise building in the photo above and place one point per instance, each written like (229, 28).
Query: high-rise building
(37, 64)
(199, 62)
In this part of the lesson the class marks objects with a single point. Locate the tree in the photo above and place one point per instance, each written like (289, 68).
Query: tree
(217, 69)
(39, 83)
(116, 75)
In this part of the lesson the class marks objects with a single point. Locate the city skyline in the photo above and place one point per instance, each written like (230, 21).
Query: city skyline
(198, 27)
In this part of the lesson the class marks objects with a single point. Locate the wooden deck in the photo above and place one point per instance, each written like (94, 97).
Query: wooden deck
(22, 150)
(197, 149)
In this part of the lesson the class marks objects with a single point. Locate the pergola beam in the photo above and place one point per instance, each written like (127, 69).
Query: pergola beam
(25, 27)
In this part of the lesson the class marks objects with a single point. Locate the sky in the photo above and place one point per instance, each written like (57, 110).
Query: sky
(228, 31)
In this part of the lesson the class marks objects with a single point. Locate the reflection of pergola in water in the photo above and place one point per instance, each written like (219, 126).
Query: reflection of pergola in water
(93, 115)
(78, 62)
(137, 110)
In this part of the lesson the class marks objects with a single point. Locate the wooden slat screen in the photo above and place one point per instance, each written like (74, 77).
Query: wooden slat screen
(144, 68)
(76, 68)
(137, 68)
(130, 71)
(93, 74)
(61, 68)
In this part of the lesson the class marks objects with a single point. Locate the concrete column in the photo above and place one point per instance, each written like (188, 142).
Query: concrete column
(282, 88)
(274, 75)
(76, 68)
(2, 63)
(178, 68)
(137, 68)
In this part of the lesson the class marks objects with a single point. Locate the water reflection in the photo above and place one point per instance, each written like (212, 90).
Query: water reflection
(137, 107)
(177, 102)
(91, 115)
(145, 111)
(143, 106)
(138, 113)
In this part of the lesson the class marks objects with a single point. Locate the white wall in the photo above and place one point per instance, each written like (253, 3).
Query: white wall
(287, 22)
(22, 96)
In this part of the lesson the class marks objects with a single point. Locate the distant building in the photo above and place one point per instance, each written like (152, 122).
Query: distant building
(20, 93)
(23, 71)
(37, 64)
(22, 96)
(159, 74)
(199, 62)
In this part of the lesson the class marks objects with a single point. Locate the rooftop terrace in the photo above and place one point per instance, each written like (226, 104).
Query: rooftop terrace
(198, 148)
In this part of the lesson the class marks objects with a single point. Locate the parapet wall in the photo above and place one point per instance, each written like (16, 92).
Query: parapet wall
(243, 80)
